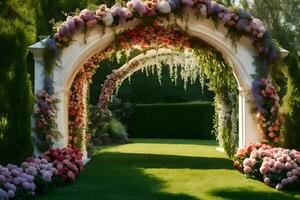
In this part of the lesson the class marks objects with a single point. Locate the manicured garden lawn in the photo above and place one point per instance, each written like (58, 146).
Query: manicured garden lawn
(163, 170)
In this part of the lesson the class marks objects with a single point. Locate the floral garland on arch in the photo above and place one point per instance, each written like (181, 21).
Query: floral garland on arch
(233, 18)
(45, 124)
(158, 36)
(77, 110)
(45, 116)
(238, 22)
(188, 66)
(268, 104)
(177, 41)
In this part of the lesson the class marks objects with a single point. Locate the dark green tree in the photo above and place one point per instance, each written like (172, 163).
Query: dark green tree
(16, 33)
(282, 18)
(291, 107)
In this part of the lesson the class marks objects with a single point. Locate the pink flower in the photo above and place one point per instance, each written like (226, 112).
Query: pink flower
(71, 175)
(263, 170)
(288, 165)
(247, 162)
(247, 170)
(272, 134)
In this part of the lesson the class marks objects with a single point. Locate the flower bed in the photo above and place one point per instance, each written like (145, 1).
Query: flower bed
(37, 175)
(276, 167)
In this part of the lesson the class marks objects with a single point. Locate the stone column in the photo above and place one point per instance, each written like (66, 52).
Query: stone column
(248, 131)
(62, 116)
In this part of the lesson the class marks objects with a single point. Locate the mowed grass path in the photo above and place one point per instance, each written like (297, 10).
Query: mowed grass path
(163, 170)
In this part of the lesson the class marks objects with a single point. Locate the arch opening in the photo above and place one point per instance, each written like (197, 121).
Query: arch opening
(205, 55)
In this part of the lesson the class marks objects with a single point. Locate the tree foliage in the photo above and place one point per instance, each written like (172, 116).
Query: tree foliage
(16, 33)
(291, 106)
(282, 18)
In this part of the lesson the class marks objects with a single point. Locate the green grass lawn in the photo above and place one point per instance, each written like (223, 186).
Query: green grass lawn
(156, 169)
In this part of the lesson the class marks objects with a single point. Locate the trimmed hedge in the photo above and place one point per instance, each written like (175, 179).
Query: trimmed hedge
(192, 120)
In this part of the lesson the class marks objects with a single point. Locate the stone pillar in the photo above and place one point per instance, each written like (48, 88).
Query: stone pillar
(84, 150)
(38, 85)
(248, 131)
(62, 116)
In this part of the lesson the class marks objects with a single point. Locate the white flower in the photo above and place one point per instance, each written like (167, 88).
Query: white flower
(164, 7)
(107, 19)
(203, 9)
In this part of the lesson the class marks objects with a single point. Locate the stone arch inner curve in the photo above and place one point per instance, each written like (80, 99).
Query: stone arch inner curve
(153, 58)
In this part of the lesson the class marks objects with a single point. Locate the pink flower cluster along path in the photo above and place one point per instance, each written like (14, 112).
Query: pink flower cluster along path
(39, 174)
(276, 167)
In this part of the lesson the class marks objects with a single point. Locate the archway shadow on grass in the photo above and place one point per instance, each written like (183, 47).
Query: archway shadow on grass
(120, 176)
(249, 194)
(175, 141)
(137, 160)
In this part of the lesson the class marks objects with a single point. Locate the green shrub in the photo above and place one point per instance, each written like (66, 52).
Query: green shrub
(104, 122)
(291, 105)
(115, 129)
(97, 121)
(121, 110)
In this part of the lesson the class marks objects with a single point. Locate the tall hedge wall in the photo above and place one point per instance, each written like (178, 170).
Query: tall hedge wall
(192, 120)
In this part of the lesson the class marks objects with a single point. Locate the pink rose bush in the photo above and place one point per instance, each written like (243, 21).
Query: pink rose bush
(276, 167)
(67, 161)
(36, 175)
(268, 117)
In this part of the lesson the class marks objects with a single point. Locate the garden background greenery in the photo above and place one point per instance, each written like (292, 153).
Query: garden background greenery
(24, 22)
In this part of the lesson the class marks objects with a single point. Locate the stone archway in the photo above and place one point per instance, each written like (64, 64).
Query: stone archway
(240, 57)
